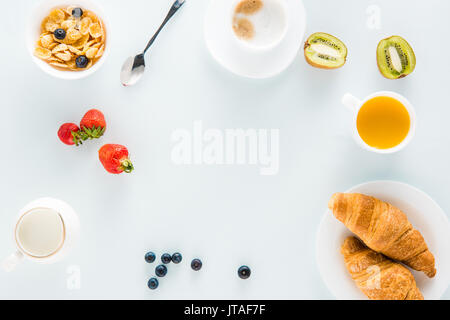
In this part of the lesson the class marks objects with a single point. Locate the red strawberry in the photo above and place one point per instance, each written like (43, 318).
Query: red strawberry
(93, 125)
(68, 134)
(114, 158)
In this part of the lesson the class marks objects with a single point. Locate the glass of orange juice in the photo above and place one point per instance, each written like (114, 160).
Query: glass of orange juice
(384, 122)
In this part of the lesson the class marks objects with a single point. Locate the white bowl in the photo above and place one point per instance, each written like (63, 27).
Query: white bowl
(34, 28)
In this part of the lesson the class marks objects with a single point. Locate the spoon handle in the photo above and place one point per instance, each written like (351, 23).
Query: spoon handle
(176, 5)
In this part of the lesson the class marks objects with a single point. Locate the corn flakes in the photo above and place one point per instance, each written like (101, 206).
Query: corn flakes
(68, 24)
(64, 56)
(59, 47)
(72, 35)
(84, 25)
(46, 41)
(95, 30)
(42, 53)
(91, 53)
(57, 15)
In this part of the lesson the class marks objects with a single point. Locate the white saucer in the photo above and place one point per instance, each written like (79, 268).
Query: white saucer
(244, 61)
(422, 212)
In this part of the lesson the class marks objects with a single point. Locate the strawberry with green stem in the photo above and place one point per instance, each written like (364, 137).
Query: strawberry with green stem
(68, 133)
(115, 159)
(93, 125)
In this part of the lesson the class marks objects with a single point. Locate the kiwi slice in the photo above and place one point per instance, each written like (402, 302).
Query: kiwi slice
(325, 51)
(395, 57)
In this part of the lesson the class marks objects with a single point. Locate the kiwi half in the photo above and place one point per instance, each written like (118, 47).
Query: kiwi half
(395, 57)
(325, 51)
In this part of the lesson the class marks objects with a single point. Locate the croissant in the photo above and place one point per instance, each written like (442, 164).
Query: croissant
(378, 277)
(383, 228)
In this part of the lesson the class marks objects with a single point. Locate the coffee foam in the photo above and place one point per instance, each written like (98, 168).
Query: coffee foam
(243, 28)
(249, 7)
(259, 22)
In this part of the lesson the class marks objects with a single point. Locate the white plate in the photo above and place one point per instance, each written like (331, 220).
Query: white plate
(422, 212)
(247, 62)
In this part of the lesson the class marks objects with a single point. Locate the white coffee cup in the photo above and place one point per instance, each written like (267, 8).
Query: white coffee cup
(270, 24)
(355, 104)
(45, 231)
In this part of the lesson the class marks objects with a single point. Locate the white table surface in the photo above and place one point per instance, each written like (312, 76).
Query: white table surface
(225, 215)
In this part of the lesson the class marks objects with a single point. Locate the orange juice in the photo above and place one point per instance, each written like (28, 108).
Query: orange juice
(383, 122)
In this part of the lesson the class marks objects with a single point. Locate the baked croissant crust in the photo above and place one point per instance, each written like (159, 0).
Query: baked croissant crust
(383, 228)
(378, 277)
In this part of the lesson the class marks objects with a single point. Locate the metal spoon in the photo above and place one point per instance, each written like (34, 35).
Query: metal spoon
(133, 68)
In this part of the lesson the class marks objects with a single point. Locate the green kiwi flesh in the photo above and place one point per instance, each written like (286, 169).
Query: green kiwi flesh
(325, 51)
(395, 57)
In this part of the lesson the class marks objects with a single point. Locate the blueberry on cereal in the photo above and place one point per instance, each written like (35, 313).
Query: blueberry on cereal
(82, 61)
(60, 34)
(77, 12)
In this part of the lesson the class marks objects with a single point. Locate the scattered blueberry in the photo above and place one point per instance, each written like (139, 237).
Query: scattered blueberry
(244, 272)
(177, 257)
(77, 12)
(82, 61)
(166, 258)
(60, 34)
(150, 257)
(161, 270)
(196, 264)
(153, 283)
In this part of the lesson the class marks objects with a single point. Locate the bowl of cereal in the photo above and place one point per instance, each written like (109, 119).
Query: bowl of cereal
(68, 39)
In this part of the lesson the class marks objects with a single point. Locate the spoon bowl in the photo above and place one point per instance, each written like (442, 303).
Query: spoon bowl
(129, 75)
